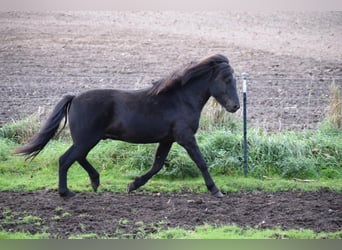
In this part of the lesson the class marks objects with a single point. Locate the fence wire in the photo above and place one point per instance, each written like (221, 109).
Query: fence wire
(274, 103)
(286, 103)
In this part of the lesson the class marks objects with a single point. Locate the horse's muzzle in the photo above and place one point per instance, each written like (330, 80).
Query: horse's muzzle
(234, 108)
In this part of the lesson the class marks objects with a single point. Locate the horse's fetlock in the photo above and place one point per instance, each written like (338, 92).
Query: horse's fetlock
(66, 193)
(95, 182)
(131, 187)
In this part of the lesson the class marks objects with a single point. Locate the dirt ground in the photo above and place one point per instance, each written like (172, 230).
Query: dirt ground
(135, 215)
(291, 59)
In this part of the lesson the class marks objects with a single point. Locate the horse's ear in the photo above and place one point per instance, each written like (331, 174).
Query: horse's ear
(222, 59)
(193, 71)
(212, 64)
(219, 68)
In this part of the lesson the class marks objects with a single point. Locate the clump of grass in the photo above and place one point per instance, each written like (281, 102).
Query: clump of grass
(179, 165)
(31, 219)
(222, 150)
(297, 154)
(21, 235)
(335, 106)
(21, 130)
(214, 115)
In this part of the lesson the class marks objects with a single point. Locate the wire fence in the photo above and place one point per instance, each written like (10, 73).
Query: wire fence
(286, 103)
(274, 103)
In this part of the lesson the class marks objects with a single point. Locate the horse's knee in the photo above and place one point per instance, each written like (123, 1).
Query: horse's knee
(61, 162)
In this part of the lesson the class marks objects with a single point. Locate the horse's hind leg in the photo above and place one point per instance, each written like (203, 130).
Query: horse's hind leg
(65, 161)
(93, 174)
(161, 154)
(76, 152)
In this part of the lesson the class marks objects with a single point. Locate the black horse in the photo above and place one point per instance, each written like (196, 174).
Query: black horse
(167, 112)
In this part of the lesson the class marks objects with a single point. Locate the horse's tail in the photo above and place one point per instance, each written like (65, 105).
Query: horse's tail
(49, 129)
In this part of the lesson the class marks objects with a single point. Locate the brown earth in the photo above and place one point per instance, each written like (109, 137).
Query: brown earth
(291, 59)
(136, 215)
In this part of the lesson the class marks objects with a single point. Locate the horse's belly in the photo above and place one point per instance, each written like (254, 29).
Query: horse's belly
(138, 133)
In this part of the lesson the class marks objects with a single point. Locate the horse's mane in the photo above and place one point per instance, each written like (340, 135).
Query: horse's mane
(180, 77)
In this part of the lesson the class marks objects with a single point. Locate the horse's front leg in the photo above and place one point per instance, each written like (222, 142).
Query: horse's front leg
(159, 160)
(190, 144)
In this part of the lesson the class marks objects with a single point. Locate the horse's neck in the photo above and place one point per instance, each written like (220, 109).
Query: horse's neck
(197, 94)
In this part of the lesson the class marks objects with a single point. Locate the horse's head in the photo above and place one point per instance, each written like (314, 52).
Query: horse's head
(223, 88)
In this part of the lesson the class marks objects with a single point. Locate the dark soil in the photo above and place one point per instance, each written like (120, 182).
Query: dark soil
(135, 215)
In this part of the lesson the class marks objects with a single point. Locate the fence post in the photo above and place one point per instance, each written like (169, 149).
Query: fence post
(245, 149)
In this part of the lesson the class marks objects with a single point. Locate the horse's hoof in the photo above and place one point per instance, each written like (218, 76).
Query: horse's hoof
(131, 187)
(67, 194)
(218, 194)
(95, 184)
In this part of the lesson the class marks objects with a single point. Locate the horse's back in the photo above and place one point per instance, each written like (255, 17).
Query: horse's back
(132, 116)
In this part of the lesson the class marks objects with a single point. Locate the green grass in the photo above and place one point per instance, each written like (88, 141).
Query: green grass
(275, 159)
(235, 232)
(21, 235)
(200, 232)
(280, 157)
(116, 172)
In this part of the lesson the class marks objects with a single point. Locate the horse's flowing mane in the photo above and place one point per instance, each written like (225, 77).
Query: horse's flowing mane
(210, 64)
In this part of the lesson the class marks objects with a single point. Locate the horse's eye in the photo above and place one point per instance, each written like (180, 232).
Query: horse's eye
(229, 77)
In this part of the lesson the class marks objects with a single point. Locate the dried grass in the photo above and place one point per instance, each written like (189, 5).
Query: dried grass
(335, 106)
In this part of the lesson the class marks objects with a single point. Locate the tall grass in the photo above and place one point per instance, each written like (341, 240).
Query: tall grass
(308, 154)
(335, 106)
(214, 115)
(21, 130)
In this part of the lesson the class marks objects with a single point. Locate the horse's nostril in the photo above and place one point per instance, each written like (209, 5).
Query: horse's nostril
(237, 106)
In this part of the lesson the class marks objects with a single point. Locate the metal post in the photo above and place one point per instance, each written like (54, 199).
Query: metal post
(245, 146)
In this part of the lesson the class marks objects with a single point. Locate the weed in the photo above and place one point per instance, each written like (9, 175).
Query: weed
(58, 209)
(7, 216)
(335, 106)
(30, 219)
(56, 217)
(66, 214)
(123, 221)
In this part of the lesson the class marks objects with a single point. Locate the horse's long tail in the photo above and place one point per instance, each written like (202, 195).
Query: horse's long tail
(49, 129)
